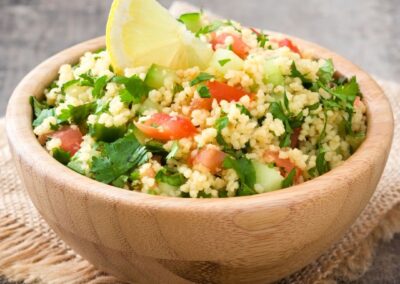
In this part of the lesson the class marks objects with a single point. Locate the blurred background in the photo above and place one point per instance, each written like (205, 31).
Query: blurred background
(365, 31)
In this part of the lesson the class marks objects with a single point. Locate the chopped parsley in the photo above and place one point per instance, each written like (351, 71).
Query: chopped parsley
(118, 158)
(343, 97)
(222, 62)
(41, 111)
(321, 164)
(288, 181)
(120, 181)
(86, 80)
(178, 88)
(289, 120)
(99, 85)
(68, 84)
(202, 77)
(294, 72)
(245, 170)
(135, 90)
(243, 110)
(76, 114)
(169, 176)
(76, 166)
(262, 38)
(43, 115)
(204, 92)
(62, 156)
(325, 72)
(174, 150)
(220, 124)
(210, 28)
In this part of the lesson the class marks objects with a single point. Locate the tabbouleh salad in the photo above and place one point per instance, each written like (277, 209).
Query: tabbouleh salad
(261, 116)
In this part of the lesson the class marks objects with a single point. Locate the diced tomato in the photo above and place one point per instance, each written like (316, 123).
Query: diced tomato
(357, 102)
(210, 157)
(71, 139)
(238, 46)
(286, 165)
(294, 138)
(287, 42)
(201, 103)
(162, 126)
(221, 91)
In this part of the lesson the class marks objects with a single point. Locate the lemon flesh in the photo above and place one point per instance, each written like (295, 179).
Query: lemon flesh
(142, 33)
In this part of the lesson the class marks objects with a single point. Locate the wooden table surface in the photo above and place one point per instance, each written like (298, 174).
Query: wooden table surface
(365, 31)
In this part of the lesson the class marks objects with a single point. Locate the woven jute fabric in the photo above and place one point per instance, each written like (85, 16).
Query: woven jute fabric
(32, 252)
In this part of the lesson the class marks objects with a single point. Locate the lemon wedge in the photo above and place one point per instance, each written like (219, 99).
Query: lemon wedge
(142, 33)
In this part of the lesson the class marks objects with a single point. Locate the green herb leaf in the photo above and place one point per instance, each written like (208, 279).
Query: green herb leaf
(243, 110)
(262, 39)
(295, 73)
(135, 89)
(178, 89)
(220, 124)
(321, 164)
(286, 101)
(202, 77)
(325, 73)
(76, 166)
(86, 80)
(288, 181)
(348, 91)
(210, 28)
(135, 175)
(68, 84)
(174, 150)
(313, 106)
(204, 92)
(170, 177)
(37, 106)
(106, 134)
(120, 181)
(277, 111)
(62, 156)
(76, 114)
(43, 115)
(99, 85)
(245, 170)
(222, 62)
(117, 158)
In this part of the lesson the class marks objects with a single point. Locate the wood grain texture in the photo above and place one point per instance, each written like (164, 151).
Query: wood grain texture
(155, 239)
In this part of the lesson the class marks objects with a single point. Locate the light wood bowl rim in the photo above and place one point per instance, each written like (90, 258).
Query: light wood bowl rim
(26, 146)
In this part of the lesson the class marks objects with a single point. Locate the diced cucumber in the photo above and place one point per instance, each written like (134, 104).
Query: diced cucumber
(192, 21)
(106, 134)
(272, 72)
(149, 105)
(169, 190)
(138, 134)
(224, 60)
(269, 178)
(157, 75)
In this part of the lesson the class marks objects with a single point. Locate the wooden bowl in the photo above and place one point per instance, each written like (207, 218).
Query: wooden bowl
(154, 239)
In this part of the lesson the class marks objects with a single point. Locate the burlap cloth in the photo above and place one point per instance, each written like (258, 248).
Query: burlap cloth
(30, 250)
